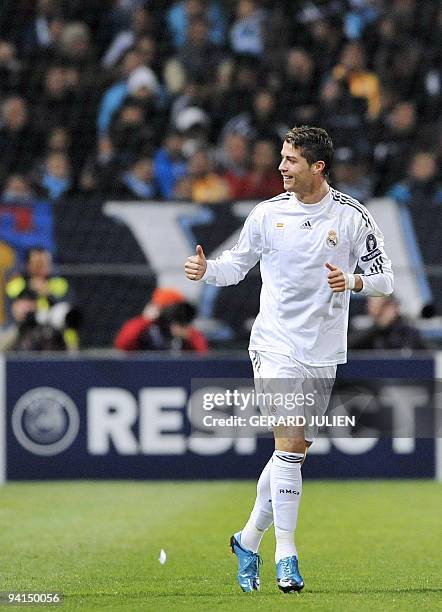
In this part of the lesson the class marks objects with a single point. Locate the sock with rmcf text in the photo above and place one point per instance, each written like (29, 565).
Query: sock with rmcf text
(286, 489)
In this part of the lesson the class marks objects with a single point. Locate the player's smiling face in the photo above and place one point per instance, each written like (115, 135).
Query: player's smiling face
(297, 175)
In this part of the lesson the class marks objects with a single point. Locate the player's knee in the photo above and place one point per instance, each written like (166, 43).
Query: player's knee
(291, 445)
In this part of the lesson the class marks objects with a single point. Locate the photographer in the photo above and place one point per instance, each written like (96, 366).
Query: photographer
(53, 295)
(167, 328)
(388, 330)
(26, 333)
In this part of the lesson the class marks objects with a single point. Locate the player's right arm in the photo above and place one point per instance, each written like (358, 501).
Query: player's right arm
(232, 265)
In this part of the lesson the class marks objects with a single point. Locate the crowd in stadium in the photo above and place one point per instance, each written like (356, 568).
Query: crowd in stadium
(189, 100)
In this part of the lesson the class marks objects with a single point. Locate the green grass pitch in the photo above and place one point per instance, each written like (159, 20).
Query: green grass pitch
(362, 545)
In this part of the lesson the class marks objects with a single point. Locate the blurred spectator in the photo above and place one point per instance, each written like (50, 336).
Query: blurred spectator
(299, 86)
(137, 115)
(381, 42)
(17, 188)
(74, 47)
(26, 333)
(147, 47)
(11, 69)
(20, 143)
(92, 180)
(40, 35)
(388, 100)
(343, 116)
(38, 276)
(142, 24)
(236, 81)
(55, 107)
(394, 138)
(181, 13)
(431, 101)
(360, 14)
(137, 183)
(233, 154)
(246, 33)
(164, 324)
(421, 187)
(387, 331)
(208, 187)
(133, 130)
(351, 175)
(198, 56)
(54, 297)
(58, 140)
(67, 103)
(196, 93)
(409, 16)
(404, 69)
(183, 189)
(95, 13)
(143, 84)
(194, 125)
(324, 38)
(55, 176)
(115, 95)
(175, 323)
(361, 82)
(432, 69)
(261, 121)
(233, 159)
(169, 164)
(263, 180)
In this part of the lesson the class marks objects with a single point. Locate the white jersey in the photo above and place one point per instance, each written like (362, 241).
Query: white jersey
(299, 315)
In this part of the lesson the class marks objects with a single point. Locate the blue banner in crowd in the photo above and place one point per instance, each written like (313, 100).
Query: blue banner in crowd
(127, 418)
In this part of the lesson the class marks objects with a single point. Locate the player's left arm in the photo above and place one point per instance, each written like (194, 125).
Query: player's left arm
(368, 247)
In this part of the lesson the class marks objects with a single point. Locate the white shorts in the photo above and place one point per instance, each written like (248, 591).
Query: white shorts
(286, 387)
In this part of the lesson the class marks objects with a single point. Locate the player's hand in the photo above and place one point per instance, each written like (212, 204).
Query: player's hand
(336, 278)
(196, 265)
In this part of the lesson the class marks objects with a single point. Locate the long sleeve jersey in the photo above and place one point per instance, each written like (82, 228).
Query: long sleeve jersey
(299, 315)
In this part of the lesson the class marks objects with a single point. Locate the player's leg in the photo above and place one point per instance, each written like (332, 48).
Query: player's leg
(261, 517)
(291, 444)
(245, 543)
(286, 489)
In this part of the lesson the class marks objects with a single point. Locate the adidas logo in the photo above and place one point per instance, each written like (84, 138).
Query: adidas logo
(306, 225)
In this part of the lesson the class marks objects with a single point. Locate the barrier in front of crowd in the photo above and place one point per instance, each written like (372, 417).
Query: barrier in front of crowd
(127, 418)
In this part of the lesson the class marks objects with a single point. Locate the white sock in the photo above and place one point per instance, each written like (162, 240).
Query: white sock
(286, 488)
(262, 514)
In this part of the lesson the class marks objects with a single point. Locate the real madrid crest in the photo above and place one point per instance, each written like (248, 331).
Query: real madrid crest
(332, 238)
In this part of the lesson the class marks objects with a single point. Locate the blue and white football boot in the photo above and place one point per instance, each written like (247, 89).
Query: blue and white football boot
(248, 565)
(288, 576)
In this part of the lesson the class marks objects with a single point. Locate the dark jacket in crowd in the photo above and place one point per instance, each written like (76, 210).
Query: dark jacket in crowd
(396, 336)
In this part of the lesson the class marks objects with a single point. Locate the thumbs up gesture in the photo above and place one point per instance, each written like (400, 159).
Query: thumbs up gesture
(336, 278)
(196, 265)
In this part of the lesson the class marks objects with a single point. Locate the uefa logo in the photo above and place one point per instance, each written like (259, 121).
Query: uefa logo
(45, 421)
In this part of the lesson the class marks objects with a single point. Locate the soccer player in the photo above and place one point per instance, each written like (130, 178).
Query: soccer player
(308, 241)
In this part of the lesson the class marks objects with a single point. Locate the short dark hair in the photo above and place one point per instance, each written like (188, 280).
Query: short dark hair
(314, 143)
(182, 313)
(35, 249)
